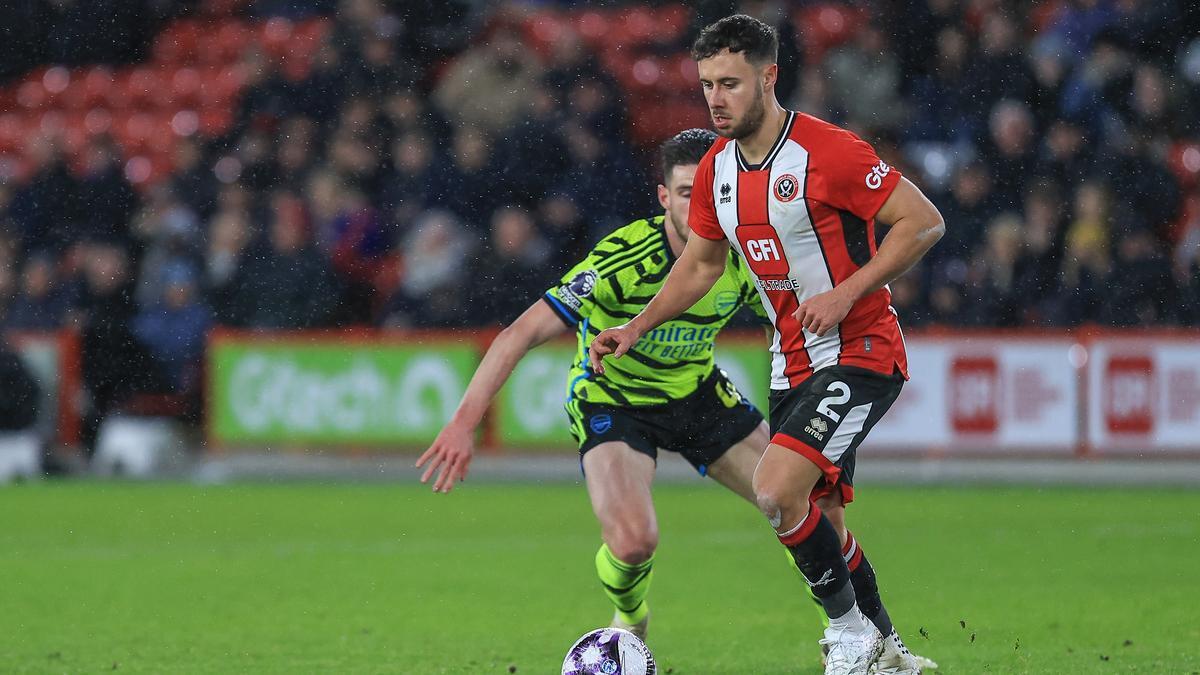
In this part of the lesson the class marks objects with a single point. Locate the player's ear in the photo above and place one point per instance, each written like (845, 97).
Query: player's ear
(770, 75)
(663, 193)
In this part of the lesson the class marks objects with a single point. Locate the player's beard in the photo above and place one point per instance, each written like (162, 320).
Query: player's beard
(753, 119)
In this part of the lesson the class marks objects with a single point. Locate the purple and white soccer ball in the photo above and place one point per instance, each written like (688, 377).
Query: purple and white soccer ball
(609, 651)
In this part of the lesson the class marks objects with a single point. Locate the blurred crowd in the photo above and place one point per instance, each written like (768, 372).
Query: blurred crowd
(432, 170)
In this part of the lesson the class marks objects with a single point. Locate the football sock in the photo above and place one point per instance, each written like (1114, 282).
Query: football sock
(625, 585)
(866, 590)
(815, 547)
(791, 563)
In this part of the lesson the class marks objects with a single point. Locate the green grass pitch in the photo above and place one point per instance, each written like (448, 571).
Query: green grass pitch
(498, 578)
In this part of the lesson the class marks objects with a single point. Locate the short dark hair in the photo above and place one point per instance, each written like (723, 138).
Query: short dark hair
(685, 147)
(738, 33)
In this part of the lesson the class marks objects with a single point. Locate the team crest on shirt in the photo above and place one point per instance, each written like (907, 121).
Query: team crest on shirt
(786, 187)
(600, 423)
(725, 302)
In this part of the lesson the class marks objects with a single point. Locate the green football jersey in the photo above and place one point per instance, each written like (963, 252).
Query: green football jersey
(615, 282)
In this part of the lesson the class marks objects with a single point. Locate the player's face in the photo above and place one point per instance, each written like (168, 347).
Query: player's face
(676, 197)
(735, 92)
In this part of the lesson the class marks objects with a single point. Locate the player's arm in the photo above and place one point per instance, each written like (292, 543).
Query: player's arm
(698, 268)
(916, 227)
(454, 446)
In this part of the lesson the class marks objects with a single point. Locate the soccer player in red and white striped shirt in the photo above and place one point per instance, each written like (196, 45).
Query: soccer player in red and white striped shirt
(798, 198)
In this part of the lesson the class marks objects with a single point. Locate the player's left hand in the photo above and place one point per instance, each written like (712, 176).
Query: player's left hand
(820, 313)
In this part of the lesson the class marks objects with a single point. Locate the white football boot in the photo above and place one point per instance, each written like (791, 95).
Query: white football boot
(897, 660)
(852, 649)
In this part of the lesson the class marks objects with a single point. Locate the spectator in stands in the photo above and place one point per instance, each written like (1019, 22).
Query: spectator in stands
(106, 201)
(999, 71)
(434, 281)
(969, 206)
(939, 97)
(357, 240)
(42, 304)
(294, 153)
(193, 180)
(175, 327)
(287, 284)
(516, 262)
(405, 187)
(228, 240)
(600, 178)
(406, 111)
(22, 396)
(470, 184)
(1011, 151)
(1041, 253)
(993, 275)
(488, 85)
(908, 300)
(561, 221)
(864, 81)
(115, 365)
(1140, 290)
(167, 231)
(44, 209)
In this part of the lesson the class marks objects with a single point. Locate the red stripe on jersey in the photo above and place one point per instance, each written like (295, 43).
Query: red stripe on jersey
(870, 333)
(754, 189)
(752, 197)
(827, 223)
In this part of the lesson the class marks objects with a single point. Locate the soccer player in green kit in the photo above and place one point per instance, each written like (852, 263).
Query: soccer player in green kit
(669, 394)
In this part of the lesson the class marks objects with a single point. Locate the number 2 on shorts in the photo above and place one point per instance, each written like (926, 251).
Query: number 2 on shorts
(836, 399)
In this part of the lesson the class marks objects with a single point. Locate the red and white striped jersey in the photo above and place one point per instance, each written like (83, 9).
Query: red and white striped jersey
(804, 222)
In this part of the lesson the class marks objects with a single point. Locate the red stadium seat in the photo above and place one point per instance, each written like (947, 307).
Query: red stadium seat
(179, 44)
(593, 26)
(226, 44)
(651, 124)
(185, 86)
(635, 26)
(672, 23)
(545, 28)
(826, 26)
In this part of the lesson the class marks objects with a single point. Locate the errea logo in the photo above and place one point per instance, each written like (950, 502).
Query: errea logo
(877, 174)
(817, 428)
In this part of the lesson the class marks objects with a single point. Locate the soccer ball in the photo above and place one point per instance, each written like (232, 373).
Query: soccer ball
(609, 651)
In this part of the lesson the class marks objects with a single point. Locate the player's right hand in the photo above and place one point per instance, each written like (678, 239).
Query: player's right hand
(451, 451)
(615, 341)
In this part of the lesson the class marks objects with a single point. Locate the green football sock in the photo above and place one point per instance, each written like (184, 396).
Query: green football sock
(791, 562)
(625, 585)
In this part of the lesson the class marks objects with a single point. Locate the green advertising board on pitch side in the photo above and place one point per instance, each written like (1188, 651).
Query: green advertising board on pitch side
(369, 393)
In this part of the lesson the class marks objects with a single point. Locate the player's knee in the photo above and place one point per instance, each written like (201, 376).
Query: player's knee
(633, 546)
(778, 507)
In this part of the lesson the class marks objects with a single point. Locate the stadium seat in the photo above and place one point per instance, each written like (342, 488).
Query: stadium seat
(137, 446)
(20, 455)
(825, 26)
(594, 26)
(651, 124)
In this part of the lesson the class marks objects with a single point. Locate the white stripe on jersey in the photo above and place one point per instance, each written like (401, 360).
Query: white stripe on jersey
(803, 250)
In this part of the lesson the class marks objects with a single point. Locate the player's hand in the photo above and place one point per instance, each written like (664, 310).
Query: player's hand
(615, 341)
(820, 313)
(451, 452)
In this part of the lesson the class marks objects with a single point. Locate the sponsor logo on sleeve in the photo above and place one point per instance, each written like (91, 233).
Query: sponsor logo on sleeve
(877, 174)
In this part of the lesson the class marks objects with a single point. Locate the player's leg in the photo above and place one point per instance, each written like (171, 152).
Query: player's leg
(734, 469)
(895, 659)
(618, 480)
